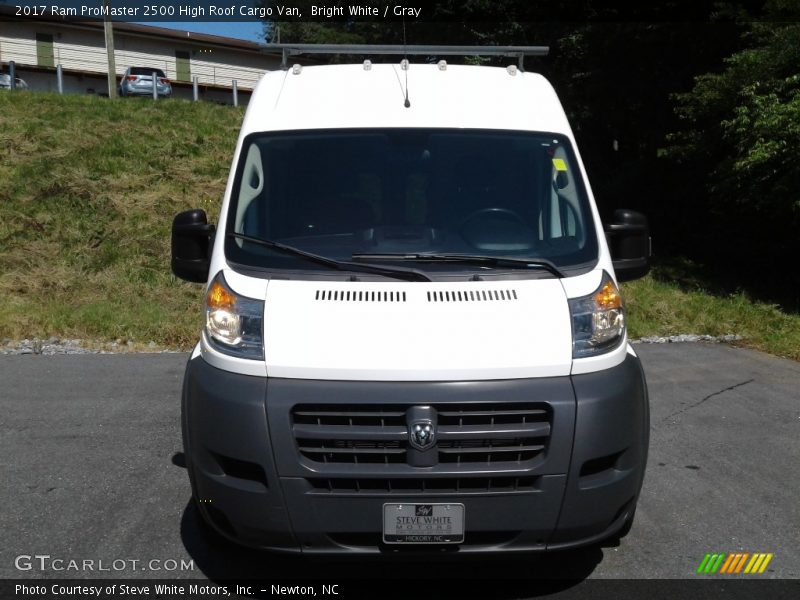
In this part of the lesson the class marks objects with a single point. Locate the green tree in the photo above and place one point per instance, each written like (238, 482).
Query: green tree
(740, 138)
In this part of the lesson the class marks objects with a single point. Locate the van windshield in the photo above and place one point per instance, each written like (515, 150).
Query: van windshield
(394, 192)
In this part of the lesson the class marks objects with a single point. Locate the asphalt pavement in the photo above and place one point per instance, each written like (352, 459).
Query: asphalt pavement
(90, 455)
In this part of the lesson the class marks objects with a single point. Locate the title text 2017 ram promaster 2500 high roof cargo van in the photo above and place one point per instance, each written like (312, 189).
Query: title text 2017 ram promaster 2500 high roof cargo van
(414, 334)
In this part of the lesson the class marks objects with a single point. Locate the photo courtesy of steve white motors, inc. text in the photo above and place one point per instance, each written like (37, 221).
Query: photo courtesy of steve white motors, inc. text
(129, 590)
(242, 10)
(140, 590)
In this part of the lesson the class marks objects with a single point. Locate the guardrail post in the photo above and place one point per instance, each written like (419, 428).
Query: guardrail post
(60, 78)
(235, 93)
(155, 87)
(12, 71)
(195, 91)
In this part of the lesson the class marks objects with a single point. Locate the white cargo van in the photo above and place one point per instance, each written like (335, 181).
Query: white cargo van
(414, 336)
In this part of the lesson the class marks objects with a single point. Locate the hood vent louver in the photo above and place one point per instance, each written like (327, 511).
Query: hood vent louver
(361, 296)
(473, 296)
(433, 296)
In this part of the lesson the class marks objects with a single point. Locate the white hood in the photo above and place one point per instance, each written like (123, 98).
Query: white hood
(417, 331)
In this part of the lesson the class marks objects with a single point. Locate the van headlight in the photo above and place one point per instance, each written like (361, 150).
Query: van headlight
(598, 320)
(234, 323)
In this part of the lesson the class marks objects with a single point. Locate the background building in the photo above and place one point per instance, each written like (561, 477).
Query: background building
(37, 46)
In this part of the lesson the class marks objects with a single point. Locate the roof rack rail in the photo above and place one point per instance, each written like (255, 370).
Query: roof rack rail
(518, 52)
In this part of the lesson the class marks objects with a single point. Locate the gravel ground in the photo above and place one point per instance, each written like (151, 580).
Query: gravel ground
(687, 337)
(54, 345)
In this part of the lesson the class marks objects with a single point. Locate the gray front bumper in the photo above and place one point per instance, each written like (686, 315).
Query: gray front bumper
(254, 486)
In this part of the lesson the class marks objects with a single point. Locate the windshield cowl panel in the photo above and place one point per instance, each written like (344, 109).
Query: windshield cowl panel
(336, 194)
(434, 272)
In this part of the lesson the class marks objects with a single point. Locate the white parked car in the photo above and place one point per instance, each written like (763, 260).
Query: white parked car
(414, 335)
(5, 82)
(138, 81)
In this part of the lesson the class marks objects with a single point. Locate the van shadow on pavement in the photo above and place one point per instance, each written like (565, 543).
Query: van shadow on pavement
(506, 576)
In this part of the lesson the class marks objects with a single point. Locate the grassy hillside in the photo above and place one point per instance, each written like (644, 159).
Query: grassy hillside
(659, 307)
(88, 189)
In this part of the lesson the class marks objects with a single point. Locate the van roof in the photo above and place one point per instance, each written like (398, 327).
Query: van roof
(353, 96)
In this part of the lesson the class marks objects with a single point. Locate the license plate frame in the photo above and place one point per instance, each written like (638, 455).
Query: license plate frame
(423, 523)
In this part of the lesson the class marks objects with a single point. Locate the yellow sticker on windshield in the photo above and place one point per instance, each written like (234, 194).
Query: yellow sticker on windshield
(559, 164)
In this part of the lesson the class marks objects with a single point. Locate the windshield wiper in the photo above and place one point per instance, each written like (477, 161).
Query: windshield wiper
(340, 265)
(475, 259)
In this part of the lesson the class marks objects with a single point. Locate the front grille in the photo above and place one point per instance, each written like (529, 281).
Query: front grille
(351, 451)
(508, 435)
(492, 434)
(439, 486)
(351, 434)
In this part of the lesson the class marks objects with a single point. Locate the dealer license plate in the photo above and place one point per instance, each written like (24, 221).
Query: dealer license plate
(423, 523)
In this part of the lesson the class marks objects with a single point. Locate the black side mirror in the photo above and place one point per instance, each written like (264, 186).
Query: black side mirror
(191, 245)
(628, 237)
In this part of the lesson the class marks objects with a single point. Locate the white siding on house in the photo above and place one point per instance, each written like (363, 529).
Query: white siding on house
(81, 50)
(218, 68)
(18, 43)
(73, 48)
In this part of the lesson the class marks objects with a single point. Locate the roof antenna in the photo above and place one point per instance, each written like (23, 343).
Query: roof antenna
(407, 103)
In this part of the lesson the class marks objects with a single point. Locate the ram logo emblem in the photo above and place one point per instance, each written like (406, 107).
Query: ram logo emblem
(421, 434)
